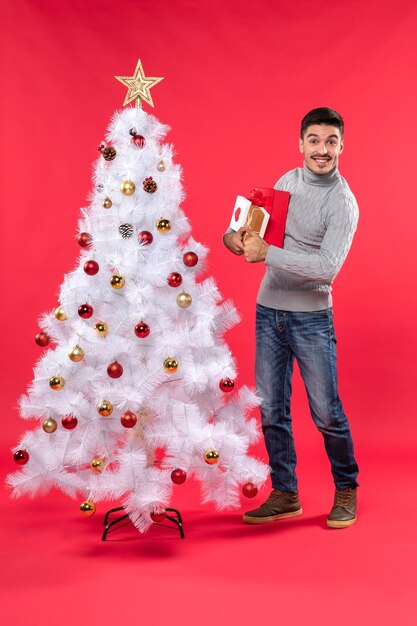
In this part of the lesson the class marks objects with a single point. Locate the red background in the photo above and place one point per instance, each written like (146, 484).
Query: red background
(239, 76)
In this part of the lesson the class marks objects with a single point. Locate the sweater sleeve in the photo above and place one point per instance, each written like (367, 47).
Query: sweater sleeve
(323, 264)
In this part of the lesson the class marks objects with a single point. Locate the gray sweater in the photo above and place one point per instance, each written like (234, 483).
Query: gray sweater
(322, 219)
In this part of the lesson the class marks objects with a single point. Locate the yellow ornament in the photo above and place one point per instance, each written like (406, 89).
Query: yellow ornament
(128, 187)
(163, 225)
(170, 365)
(76, 354)
(107, 203)
(50, 425)
(101, 328)
(211, 457)
(139, 86)
(56, 382)
(161, 166)
(117, 281)
(98, 464)
(60, 314)
(87, 509)
(184, 299)
(105, 408)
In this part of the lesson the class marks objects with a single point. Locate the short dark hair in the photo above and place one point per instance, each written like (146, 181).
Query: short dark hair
(322, 115)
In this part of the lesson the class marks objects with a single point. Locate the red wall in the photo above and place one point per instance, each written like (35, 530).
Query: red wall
(239, 76)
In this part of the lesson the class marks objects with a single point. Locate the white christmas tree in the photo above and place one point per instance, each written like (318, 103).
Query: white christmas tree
(138, 391)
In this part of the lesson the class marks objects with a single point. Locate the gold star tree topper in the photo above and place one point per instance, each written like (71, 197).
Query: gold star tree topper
(139, 86)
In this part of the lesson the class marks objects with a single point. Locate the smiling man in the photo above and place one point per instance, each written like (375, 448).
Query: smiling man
(294, 319)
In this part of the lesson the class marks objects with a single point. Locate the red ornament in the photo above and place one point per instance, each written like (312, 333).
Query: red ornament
(145, 237)
(42, 339)
(249, 490)
(84, 240)
(227, 384)
(69, 422)
(174, 279)
(158, 517)
(85, 311)
(91, 267)
(21, 457)
(142, 330)
(178, 476)
(128, 419)
(138, 141)
(115, 370)
(190, 259)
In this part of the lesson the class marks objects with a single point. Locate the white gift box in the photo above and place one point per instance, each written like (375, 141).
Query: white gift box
(247, 214)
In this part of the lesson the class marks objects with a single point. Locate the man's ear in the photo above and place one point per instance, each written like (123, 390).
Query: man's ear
(342, 145)
(301, 146)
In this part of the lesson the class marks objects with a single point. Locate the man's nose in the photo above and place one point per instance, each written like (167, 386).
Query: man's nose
(323, 148)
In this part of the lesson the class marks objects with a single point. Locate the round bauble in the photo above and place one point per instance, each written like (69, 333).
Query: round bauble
(158, 516)
(49, 425)
(21, 457)
(60, 314)
(98, 464)
(76, 354)
(190, 259)
(132, 131)
(128, 419)
(91, 267)
(211, 457)
(138, 141)
(107, 203)
(161, 166)
(101, 329)
(142, 330)
(84, 240)
(174, 279)
(145, 237)
(149, 185)
(163, 225)
(178, 476)
(85, 311)
(184, 299)
(115, 370)
(108, 153)
(87, 509)
(42, 339)
(56, 382)
(249, 490)
(69, 422)
(105, 408)
(170, 365)
(128, 187)
(117, 281)
(227, 385)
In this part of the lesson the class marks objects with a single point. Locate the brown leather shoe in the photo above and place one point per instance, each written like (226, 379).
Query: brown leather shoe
(280, 505)
(343, 513)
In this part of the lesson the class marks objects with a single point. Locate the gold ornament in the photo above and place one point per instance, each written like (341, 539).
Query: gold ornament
(50, 425)
(211, 457)
(105, 408)
(170, 365)
(184, 299)
(107, 203)
(127, 187)
(139, 86)
(163, 225)
(101, 328)
(161, 166)
(117, 281)
(98, 464)
(87, 509)
(76, 354)
(60, 314)
(56, 382)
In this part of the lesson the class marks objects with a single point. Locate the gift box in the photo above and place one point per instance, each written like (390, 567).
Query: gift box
(265, 212)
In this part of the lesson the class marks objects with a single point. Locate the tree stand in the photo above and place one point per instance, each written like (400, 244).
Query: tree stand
(115, 524)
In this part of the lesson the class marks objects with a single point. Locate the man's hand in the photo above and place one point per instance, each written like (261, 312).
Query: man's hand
(254, 247)
(233, 241)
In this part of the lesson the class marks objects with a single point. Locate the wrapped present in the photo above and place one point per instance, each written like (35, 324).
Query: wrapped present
(265, 212)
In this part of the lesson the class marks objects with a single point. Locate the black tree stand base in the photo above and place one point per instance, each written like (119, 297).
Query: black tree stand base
(115, 524)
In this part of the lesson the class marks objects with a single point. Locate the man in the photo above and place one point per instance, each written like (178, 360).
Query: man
(294, 318)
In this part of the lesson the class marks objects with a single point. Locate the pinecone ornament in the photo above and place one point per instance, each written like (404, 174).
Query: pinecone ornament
(126, 230)
(108, 153)
(150, 185)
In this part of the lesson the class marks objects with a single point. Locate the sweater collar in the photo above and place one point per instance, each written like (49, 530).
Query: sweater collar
(325, 180)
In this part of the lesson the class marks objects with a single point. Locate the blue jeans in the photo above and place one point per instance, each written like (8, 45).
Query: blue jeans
(281, 337)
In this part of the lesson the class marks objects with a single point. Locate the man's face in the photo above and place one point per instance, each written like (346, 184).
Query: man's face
(321, 146)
